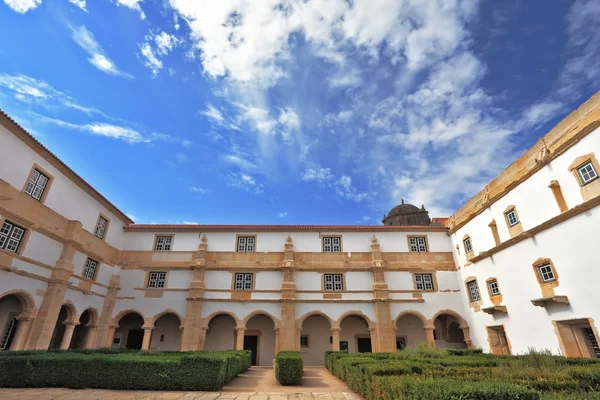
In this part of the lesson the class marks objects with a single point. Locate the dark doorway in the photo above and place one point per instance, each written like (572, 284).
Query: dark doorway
(135, 337)
(364, 345)
(251, 343)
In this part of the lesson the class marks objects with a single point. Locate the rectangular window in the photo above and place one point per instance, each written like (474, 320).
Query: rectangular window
(157, 280)
(332, 244)
(494, 289)
(163, 243)
(424, 281)
(245, 244)
(36, 185)
(418, 244)
(243, 281)
(101, 225)
(511, 217)
(11, 236)
(304, 341)
(546, 273)
(334, 282)
(8, 332)
(468, 247)
(473, 291)
(89, 271)
(587, 173)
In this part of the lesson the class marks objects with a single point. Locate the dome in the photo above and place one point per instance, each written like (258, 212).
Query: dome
(403, 208)
(407, 214)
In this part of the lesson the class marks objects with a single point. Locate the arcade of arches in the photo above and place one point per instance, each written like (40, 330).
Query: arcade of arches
(258, 332)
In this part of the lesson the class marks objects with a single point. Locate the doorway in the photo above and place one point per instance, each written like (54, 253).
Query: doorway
(364, 345)
(251, 343)
(135, 337)
(498, 341)
(577, 338)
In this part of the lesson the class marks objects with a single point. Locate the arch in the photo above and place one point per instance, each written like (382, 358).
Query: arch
(461, 320)
(216, 314)
(425, 321)
(301, 320)
(314, 337)
(24, 297)
(93, 315)
(84, 331)
(121, 314)
(166, 312)
(338, 322)
(261, 312)
(72, 315)
(166, 335)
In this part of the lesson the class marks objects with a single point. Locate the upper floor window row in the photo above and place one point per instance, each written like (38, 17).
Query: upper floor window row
(101, 227)
(587, 173)
(246, 244)
(37, 184)
(468, 245)
(11, 236)
(90, 268)
(417, 243)
(163, 243)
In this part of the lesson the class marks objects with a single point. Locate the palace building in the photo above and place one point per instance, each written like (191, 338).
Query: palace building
(514, 268)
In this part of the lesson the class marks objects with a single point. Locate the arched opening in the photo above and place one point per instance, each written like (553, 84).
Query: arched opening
(220, 333)
(355, 335)
(166, 334)
(64, 326)
(447, 333)
(10, 309)
(259, 337)
(315, 339)
(409, 332)
(82, 331)
(129, 334)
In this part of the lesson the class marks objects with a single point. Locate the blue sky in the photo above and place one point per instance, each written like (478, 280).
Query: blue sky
(293, 112)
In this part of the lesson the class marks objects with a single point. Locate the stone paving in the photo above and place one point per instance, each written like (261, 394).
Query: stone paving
(256, 384)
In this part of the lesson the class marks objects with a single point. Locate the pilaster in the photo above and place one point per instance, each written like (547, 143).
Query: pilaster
(287, 332)
(193, 322)
(105, 332)
(383, 339)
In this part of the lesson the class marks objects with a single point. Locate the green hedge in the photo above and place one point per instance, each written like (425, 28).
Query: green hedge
(289, 367)
(123, 370)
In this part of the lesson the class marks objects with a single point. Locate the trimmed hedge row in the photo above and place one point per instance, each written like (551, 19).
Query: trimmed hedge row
(465, 375)
(123, 370)
(289, 367)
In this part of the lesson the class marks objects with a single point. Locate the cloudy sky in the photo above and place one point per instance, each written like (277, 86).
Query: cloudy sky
(293, 111)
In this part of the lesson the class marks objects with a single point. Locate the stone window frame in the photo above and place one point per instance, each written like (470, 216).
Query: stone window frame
(494, 227)
(324, 290)
(516, 228)
(149, 279)
(549, 286)
(307, 345)
(46, 189)
(86, 265)
(96, 227)
(489, 283)
(424, 237)
(433, 280)
(237, 243)
(234, 281)
(156, 244)
(495, 298)
(339, 237)
(591, 188)
(474, 304)
(24, 239)
(468, 253)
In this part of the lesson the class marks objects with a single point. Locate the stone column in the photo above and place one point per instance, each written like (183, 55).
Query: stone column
(54, 297)
(277, 340)
(193, 321)
(429, 336)
(68, 335)
(467, 336)
(335, 335)
(22, 331)
(147, 337)
(201, 338)
(110, 335)
(105, 330)
(90, 336)
(239, 339)
(383, 339)
(287, 332)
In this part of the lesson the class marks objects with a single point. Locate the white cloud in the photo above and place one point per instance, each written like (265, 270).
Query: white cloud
(22, 6)
(541, 112)
(98, 58)
(133, 5)
(198, 190)
(79, 3)
(289, 119)
(346, 79)
(238, 161)
(245, 182)
(317, 175)
(181, 158)
(345, 189)
(342, 117)
(155, 48)
(282, 214)
(131, 217)
(213, 113)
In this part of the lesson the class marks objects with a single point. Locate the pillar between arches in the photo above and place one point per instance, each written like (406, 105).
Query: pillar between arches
(239, 340)
(147, 337)
(23, 329)
(68, 335)
(335, 336)
(90, 336)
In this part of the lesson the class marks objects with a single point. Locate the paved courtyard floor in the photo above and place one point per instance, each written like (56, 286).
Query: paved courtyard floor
(256, 384)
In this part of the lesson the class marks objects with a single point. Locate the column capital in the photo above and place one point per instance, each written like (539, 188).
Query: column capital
(336, 330)
(148, 328)
(25, 318)
(91, 326)
(240, 329)
(71, 323)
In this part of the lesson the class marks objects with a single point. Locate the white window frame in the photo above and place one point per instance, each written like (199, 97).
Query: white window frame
(474, 294)
(587, 173)
(468, 245)
(37, 184)
(511, 217)
(164, 243)
(418, 244)
(333, 282)
(494, 288)
(11, 236)
(546, 270)
(90, 268)
(101, 225)
(246, 244)
(424, 281)
(243, 281)
(332, 244)
(157, 280)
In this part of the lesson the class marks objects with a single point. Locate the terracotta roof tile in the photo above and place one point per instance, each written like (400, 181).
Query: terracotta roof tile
(284, 228)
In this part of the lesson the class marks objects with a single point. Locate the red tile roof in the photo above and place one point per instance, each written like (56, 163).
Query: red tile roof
(435, 226)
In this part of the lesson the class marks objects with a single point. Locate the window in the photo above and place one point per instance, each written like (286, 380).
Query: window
(11, 236)
(101, 226)
(7, 336)
(546, 273)
(494, 289)
(36, 184)
(163, 243)
(400, 343)
(587, 173)
(245, 244)
(334, 282)
(304, 341)
(473, 291)
(157, 280)
(424, 281)
(89, 270)
(332, 244)
(511, 217)
(418, 244)
(468, 246)
(243, 281)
